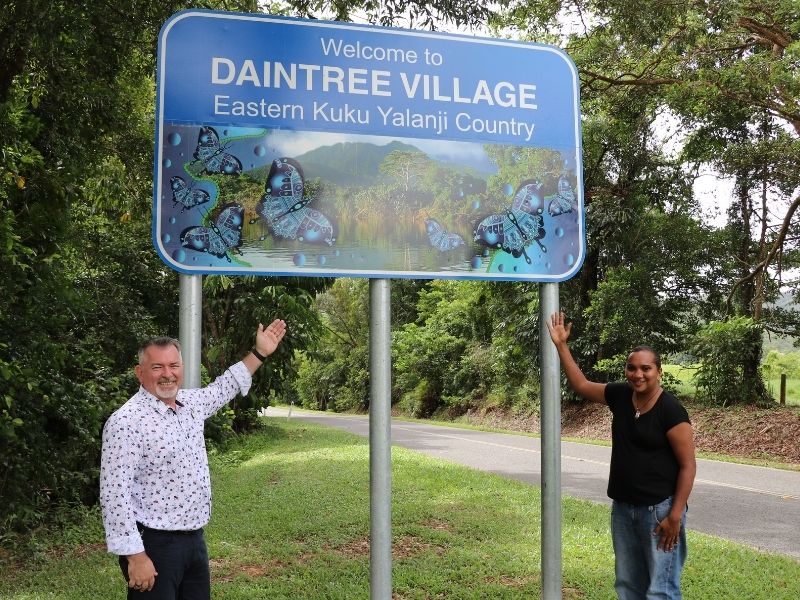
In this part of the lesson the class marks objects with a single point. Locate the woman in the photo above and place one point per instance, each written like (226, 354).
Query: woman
(652, 470)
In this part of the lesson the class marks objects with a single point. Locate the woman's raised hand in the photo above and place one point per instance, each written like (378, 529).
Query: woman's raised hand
(559, 330)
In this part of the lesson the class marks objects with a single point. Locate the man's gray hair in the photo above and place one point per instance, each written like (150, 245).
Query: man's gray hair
(161, 342)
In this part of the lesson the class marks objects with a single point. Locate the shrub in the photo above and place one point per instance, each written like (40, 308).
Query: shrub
(730, 355)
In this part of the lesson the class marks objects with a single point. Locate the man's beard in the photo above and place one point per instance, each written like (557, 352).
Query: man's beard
(167, 389)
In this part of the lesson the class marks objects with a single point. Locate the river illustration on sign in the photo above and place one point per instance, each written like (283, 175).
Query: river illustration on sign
(280, 201)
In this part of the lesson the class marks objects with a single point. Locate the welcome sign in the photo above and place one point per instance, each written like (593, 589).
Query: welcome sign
(290, 146)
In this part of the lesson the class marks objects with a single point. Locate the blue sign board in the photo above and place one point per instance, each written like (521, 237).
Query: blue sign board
(290, 146)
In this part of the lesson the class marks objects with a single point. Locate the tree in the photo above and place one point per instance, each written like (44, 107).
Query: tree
(231, 309)
(728, 73)
(333, 372)
(81, 283)
(74, 84)
(411, 13)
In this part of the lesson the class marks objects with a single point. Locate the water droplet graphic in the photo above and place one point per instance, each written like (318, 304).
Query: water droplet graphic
(167, 163)
(337, 253)
(312, 236)
(179, 255)
(299, 259)
(485, 252)
(501, 268)
(476, 262)
(508, 189)
(174, 138)
(172, 220)
(321, 260)
(476, 205)
(559, 232)
(569, 259)
(259, 150)
(166, 238)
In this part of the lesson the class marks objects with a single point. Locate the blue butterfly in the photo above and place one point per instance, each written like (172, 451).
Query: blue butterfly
(224, 234)
(285, 209)
(563, 201)
(517, 227)
(185, 195)
(213, 156)
(440, 238)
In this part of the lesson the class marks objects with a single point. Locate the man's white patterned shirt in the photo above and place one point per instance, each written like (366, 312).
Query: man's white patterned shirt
(154, 467)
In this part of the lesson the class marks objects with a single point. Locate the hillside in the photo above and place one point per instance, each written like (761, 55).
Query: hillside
(743, 432)
(349, 163)
(357, 164)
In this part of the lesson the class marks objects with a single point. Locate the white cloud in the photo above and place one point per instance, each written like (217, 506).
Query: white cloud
(295, 143)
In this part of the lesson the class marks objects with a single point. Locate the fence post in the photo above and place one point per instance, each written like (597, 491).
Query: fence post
(783, 388)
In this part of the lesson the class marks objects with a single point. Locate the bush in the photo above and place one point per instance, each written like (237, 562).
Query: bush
(730, 356)
(420, 402)
(333, 380)
(427, 366)
(50, 437)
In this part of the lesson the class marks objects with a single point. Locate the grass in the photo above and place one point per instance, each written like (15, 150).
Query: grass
(792, 389)
(684, 375)
(686, 387)
(291, 520)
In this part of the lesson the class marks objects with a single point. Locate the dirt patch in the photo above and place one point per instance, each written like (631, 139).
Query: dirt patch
(513, 582)
(737, 431)
(406, 546)
(437, 524)
(409, 546)
(226, 570)
(357, 548)
(750, 432)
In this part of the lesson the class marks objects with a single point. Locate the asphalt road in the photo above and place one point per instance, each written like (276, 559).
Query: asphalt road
(756, 506)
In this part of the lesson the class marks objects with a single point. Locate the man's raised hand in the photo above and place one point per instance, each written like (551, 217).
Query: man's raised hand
(268, 338)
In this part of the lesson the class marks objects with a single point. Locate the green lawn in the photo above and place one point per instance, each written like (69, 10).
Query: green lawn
(291, 520)
(686, 387)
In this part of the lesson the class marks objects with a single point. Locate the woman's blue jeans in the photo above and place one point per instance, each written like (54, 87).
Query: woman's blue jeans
(643, 572)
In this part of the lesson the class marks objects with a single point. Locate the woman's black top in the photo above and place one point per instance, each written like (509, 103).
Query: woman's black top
(644, 470)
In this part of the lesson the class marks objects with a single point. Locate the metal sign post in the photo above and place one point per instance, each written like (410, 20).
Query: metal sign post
(551, 446)
(190, 327)
(380, 440)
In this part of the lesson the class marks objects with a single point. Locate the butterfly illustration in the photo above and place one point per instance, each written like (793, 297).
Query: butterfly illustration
(213, 155)
(224, 234)
(517, 227)
(285, 209)
(563, 201)
(185, 195)
(440, 238)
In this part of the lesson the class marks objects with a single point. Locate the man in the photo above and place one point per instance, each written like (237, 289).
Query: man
(155, 489)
